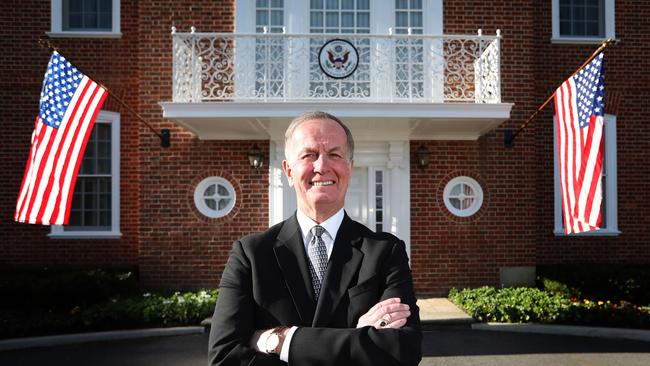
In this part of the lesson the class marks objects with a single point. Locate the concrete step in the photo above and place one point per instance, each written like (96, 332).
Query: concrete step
(440, 312)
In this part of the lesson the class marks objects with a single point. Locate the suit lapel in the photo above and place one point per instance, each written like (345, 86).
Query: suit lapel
(343, 264)
(290, 255)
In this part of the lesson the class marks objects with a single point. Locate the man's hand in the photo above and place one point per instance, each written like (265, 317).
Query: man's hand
(390, 313)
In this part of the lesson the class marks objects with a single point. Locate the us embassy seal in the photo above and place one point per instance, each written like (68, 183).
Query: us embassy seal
(338, 58)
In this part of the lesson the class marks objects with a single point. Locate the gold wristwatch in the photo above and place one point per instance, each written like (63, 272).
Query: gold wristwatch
(275, 340)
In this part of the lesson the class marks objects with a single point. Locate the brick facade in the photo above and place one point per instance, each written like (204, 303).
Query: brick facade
(174, 245)
(625, 75)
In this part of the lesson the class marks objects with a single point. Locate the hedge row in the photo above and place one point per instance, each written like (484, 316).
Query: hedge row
(521, 305)
(142, 311)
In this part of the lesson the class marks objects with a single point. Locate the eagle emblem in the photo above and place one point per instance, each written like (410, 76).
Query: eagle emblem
(338, 58)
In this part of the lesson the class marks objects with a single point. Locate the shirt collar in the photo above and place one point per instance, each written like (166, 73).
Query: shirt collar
(331, 225)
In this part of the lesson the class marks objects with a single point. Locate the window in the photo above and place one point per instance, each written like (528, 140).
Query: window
(269, 51)
(463, 196)
(409, 53)
(583, 20)
(609, 224)
(339, 16)
(269, 14)
(95, 210)
(85, 18)
(379, 200)
(214, 197)
(408, 14)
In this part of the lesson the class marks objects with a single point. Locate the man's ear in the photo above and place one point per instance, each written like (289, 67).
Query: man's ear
(287, 171)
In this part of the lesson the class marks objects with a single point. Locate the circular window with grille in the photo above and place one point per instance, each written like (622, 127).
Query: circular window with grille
(214, 197)
(463, 196)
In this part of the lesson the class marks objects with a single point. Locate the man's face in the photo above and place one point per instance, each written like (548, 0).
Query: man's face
(318, 167)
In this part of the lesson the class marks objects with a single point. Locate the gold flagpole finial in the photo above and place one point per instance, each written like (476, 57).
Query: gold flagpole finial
(47, 43)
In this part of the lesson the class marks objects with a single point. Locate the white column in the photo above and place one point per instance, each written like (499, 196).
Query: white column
(244, 48)
(382, 51)
(399, 198)
(434, 60)
(297, 49)
(282, 199)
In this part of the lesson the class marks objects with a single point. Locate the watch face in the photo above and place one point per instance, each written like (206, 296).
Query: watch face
(272, 342)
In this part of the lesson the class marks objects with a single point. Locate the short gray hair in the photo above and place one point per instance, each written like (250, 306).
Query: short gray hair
(316, 115)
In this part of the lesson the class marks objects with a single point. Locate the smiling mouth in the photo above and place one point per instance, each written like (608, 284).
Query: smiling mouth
(323, 183)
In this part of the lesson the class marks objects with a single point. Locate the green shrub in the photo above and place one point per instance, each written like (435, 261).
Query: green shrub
(607, 314)
(614, 282)
(63, 288)
(510, 305)
(559, 288)
(146, 310)
(152, 310)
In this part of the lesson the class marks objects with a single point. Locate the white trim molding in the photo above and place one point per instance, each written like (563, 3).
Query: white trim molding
(56, 28)
(609, 31)
(477, 197)
(610, 224)
(59, 231)
(199, 197)
(261, 121)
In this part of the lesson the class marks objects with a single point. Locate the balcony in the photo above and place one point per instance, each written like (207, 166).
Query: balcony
(248, 86)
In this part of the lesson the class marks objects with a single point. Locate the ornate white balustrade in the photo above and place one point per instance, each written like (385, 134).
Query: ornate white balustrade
(285, 68)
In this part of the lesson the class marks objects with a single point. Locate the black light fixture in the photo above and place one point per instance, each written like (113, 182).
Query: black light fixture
(422, 156)
(255, 157)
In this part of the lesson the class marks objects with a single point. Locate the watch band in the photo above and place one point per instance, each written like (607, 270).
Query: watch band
(280, 333)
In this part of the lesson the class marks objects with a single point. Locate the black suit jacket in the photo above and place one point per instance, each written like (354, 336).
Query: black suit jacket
(266, 283)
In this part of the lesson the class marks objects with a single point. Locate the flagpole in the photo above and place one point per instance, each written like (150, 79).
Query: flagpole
(164, 134)
(509, 137)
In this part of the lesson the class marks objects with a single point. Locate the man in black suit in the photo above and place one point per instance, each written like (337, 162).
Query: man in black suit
(318, 288)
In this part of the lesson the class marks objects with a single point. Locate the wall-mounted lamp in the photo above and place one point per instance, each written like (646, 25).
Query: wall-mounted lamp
(255, 157)
(422, 156)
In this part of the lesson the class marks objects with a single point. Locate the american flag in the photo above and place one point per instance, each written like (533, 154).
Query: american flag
(579, 114)
(70, 102)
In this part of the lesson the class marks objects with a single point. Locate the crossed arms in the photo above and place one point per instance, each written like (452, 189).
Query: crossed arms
(247, 307)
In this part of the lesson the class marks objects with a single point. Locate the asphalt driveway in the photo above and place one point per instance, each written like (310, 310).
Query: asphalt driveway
(440, 347)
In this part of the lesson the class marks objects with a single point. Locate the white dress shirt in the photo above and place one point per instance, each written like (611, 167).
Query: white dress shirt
(331, 226)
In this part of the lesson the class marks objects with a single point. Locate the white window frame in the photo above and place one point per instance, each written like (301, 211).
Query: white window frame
(372, 197)
(56, 29)
(382, 16)
(199, 201)
(58, 232)
(611, 197)
(610, 27)
(478, 196)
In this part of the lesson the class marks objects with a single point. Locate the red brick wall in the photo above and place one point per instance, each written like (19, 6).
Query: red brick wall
(626, 74)
(174, 245)
(178, 245)
(163, 233)
(448, 251)
(110, 61)
(451, 252)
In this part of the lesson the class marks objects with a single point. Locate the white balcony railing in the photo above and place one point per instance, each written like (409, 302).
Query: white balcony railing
(285, 68)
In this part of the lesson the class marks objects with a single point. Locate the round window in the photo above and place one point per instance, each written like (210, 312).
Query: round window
(463, 196)
(214, 197)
